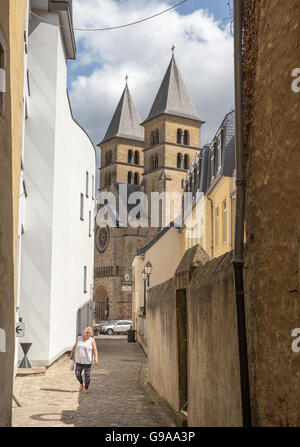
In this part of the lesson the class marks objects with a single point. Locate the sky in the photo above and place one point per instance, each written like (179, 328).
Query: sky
(201, 33)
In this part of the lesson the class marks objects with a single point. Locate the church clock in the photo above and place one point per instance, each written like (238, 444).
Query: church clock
(102, 239)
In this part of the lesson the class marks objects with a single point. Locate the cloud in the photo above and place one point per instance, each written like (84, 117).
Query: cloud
(204, 55)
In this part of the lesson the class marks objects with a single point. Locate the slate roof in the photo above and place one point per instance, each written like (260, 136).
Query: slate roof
(126, 120)
(172, 97)
(205, 182)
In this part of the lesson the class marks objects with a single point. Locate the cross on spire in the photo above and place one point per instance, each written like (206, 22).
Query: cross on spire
(172, 49)
(126, 78)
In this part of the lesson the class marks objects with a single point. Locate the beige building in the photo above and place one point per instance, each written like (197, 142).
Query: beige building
(164, 252)
(12, 23)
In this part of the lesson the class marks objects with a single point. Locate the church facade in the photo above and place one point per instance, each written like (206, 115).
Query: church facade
(150, 156)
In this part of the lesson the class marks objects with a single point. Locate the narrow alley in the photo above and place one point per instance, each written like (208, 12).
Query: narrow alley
(118, 395)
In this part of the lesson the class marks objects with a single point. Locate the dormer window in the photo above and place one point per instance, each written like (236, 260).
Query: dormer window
(219, 149)
(212, 164)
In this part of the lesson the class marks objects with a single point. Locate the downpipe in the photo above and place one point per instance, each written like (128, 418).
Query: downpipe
(238, 257)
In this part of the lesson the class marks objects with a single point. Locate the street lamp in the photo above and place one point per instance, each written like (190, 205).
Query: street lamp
(148, 270)
(146, 275)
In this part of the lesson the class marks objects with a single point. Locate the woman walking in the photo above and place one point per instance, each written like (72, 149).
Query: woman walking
(85, 350)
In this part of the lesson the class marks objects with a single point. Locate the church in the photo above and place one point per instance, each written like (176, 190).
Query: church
(153, 155)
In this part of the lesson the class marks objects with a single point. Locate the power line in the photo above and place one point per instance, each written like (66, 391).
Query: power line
(113, 27)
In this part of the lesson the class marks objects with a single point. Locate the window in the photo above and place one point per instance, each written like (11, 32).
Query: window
(152, 139)
(90, 223)
(110, 157)
(81, 206)
(85, 279)
(186, 162)
(155, 161)
(179, 136)
(106, 158)
(212, 164)
(217, 227)
(2, 73)
(129, 178)
(186, 138)
(219, 149)
(156, 137)
(136, 157)
(136, 178)
(224, 222)
(130, 156)
(93, 187)
(87, 184)
(179, 159)
(109, 179)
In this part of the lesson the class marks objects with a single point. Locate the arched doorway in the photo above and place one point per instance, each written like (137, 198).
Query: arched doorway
(102, 304)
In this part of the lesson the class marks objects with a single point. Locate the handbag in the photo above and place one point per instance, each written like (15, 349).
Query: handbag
(71, 365)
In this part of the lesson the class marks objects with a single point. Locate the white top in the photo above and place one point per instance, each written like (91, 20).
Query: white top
(84, 351)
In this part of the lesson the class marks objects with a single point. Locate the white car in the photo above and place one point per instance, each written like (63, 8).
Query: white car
(119, 326)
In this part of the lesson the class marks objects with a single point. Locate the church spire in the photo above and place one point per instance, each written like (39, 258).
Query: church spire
(172, 97)
(126, 121)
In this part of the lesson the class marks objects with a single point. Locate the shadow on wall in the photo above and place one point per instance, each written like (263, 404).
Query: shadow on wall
(84, 317)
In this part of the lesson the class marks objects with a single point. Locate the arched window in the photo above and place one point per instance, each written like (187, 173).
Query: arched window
(152, 139)
(186, 138)
(130, 156)
(179, 159)
(110, 157)
(156, 136)
(179, 136)
(109, 178)
(129, 177)
(186, 162)
(105, 180)
(136, 178)
(155, 161)
(106, 158)
(136, 157)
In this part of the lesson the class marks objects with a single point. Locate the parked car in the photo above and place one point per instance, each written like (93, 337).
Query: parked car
(119, 326)
(104, 324)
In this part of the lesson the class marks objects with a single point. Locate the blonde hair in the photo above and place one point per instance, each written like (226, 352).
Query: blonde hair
(88, 329)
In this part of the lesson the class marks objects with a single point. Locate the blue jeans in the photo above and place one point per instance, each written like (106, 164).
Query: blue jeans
(87, 373)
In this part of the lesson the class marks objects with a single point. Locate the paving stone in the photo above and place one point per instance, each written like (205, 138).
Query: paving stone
(117, 395)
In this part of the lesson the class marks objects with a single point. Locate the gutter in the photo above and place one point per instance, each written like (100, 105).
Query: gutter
(238, 257)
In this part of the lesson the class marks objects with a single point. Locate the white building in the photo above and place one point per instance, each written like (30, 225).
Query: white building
(57, 245)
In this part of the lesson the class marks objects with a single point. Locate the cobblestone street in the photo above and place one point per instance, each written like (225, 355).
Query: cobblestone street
(118, 396)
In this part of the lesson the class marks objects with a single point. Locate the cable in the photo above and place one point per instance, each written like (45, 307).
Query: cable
(113, 27)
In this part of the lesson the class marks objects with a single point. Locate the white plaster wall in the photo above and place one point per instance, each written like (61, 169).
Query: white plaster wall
(56, 244)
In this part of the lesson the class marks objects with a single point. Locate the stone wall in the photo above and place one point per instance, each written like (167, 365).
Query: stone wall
(162, 341)
(213, 363)
(272, 116)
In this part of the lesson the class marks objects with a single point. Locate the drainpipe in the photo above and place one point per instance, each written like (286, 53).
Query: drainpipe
(230, 220)
(238, 258)
(211, 228)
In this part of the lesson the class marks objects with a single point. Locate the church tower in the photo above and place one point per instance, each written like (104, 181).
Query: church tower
(172, 136)
(122, 158)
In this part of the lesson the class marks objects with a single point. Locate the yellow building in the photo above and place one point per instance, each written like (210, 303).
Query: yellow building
(211, 183)
(12, 25)
(221, 190)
